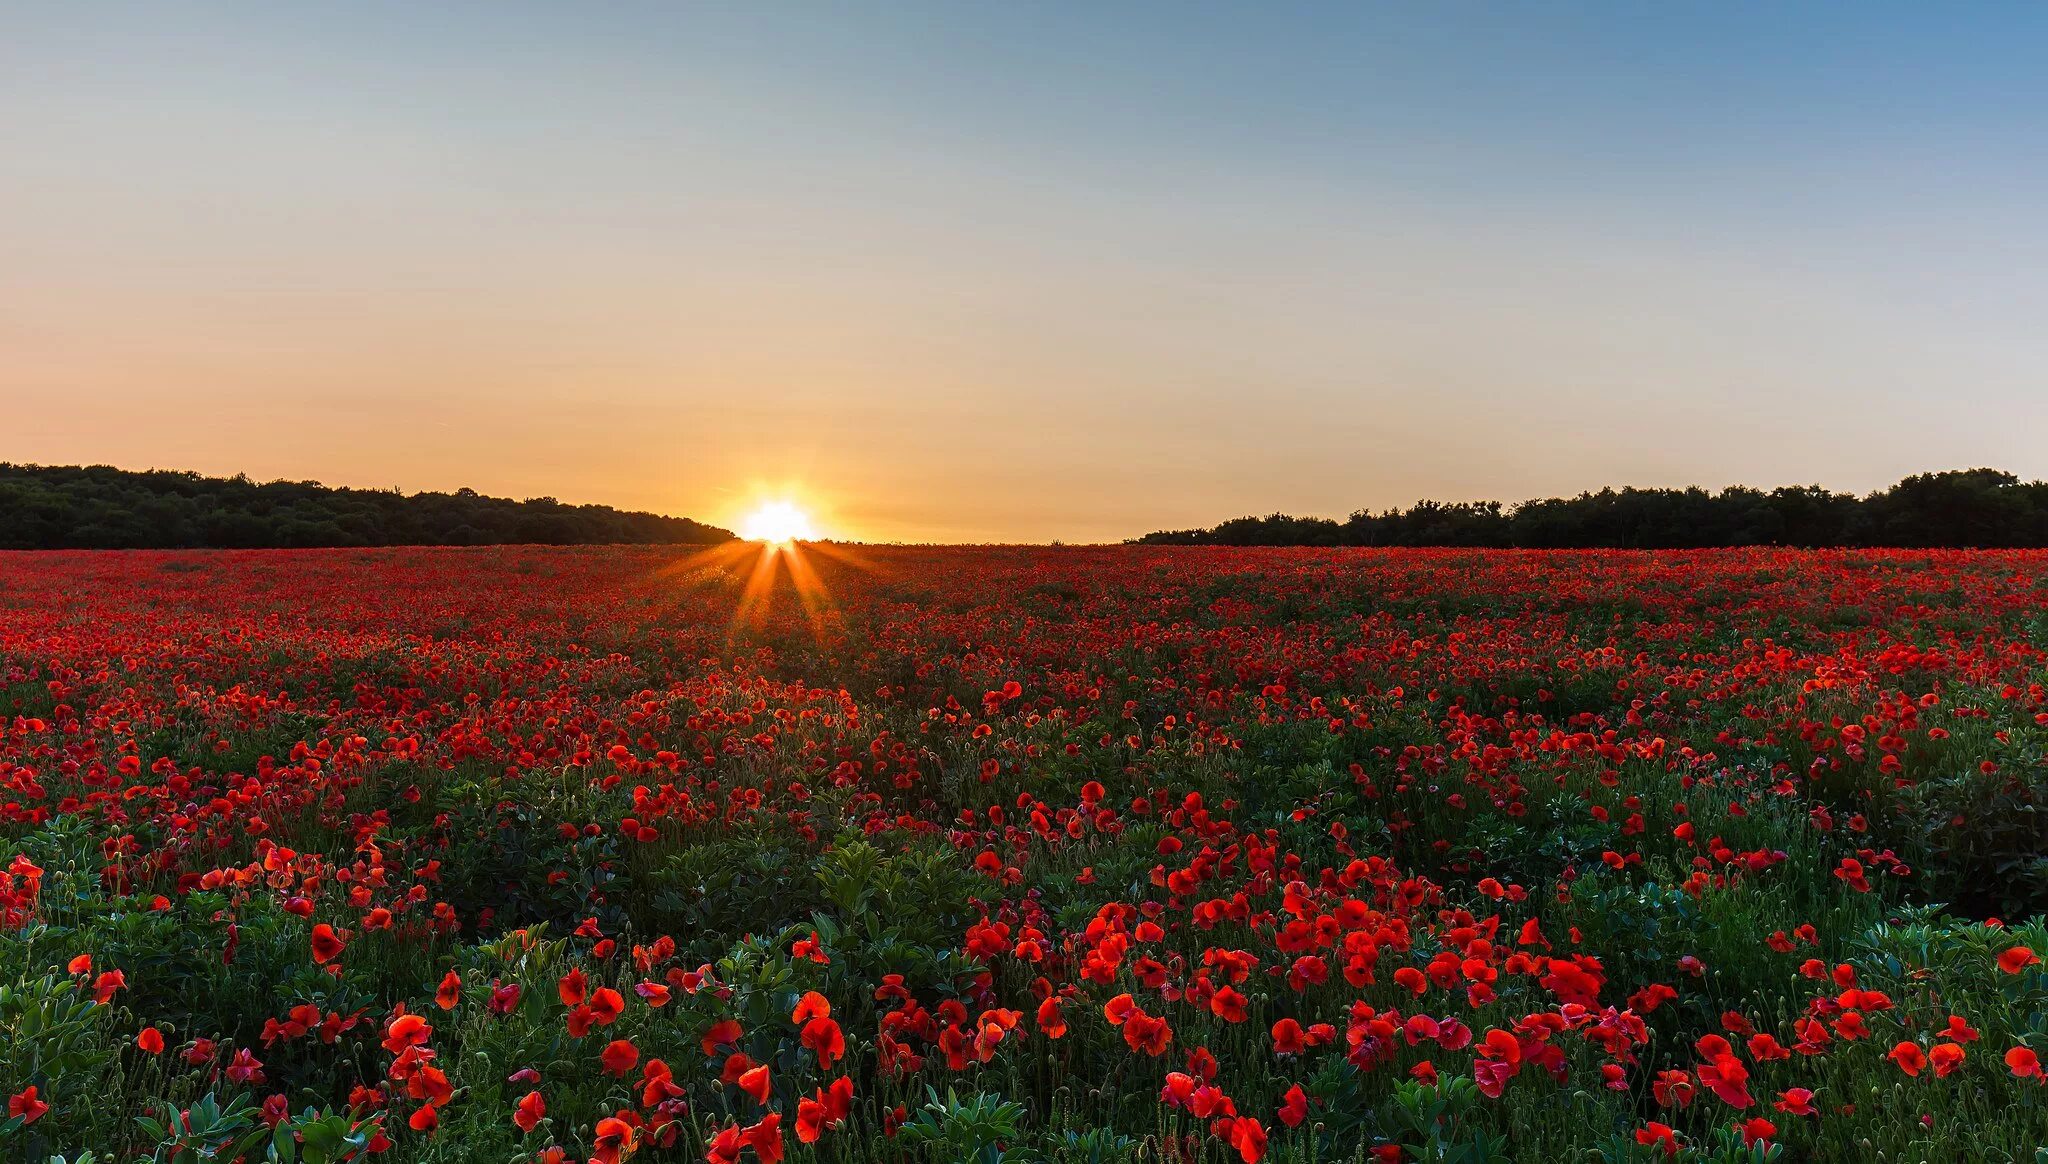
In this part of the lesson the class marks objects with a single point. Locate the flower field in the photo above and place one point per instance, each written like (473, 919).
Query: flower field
(1058, 854)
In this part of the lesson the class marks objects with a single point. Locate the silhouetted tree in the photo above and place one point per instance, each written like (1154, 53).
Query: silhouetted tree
(100, 507)
(1963, 507)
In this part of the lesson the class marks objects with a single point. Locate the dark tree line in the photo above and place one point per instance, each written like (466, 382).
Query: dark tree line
(98, 507)
(1961, 507)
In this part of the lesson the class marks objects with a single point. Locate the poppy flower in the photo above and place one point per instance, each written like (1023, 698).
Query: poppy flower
(527, 1114)
(823, 1037)
(1294, 1106)
(327, 943)
(1946, 1057)
(1287, 1038)
(150, 1040)
(723, 1033)
(406, 1030)
(572, 987)
(1248, 1136)
(1659, 1135)
(450, 992)
(580, 1020)
(2024, 1063)
(1051, 1023)
(657, 1084)
(1795, 1101)
(614, 1140)
(607, 1005)
(725, 1146)
(1228, 1005)
(105, 985)
(618, 1057)
(425, 1119)
(1909, 1057)
(1148, 1034)
(765, 1138)
(2017, 959)
(810, 1120)
(25, 1106)
(755, 1082)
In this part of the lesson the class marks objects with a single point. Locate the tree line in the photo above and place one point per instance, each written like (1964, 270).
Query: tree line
(46, 507)
(1960, 507)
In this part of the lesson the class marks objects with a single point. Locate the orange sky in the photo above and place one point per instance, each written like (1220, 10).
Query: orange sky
(964, 276)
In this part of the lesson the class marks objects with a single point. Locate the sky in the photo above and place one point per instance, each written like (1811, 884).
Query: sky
(1017, 272)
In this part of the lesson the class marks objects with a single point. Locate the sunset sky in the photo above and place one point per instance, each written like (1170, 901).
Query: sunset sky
(973, 272)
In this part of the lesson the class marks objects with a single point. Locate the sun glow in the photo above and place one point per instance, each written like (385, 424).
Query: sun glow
(778, 523)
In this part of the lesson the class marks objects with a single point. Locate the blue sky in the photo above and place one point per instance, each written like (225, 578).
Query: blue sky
(1005, 271)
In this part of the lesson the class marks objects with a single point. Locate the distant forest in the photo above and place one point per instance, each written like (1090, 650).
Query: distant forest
(45, 507)
(1962, 507)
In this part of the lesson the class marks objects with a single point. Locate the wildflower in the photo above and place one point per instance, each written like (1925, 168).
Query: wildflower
(1660, 1135)
(327, 943)
(1795, 1101)
(755, 1083)
(618, 1057)
(2025, 1064)
(25, 1106)
(528, 1112)
(1294, 1106)
(2017, 959)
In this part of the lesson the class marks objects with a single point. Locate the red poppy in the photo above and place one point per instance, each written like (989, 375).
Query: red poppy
(1228, 1005)
(766, 1138)
(1051, 1023)
(2024, 1063)
(1287, 1039)
(823, 1037)
(1660, 1135)
(572, 987)
(614, 1140)
(526, 1115)
(26, 1106)
(1294, 1106)
(618, 1056)
(723, 1033)
(105, 985)
(607, 1005)
(327, 943)
(1795, 1101)
(406, 1030)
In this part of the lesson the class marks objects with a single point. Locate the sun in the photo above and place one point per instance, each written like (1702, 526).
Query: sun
(778, 523)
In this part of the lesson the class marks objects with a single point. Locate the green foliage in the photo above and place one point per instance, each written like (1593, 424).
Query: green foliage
(1435, 1123)
(974, 1130)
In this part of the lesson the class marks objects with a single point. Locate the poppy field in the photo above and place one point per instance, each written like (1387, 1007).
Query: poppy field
(930, 855)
